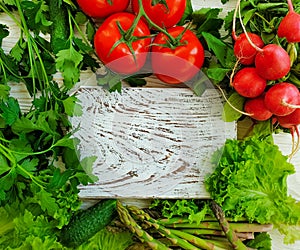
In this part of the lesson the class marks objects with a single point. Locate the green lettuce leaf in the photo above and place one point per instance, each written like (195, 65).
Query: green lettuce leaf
(250, 180)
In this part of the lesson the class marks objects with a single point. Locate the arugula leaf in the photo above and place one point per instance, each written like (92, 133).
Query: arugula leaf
(110, 81)
(220, 49)
(217, 73)
(207, 20)
(59, 179)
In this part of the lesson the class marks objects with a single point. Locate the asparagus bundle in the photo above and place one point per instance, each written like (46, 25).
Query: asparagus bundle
(211, 233)
(132, 225)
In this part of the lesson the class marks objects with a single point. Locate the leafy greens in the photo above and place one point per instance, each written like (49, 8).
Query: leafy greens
(250, 180)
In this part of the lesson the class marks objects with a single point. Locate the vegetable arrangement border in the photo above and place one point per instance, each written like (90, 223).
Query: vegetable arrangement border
(40, 168)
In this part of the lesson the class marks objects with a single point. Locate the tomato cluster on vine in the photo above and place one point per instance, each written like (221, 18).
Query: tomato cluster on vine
(133, 32)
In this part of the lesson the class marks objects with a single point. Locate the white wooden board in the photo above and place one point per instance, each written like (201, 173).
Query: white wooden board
(150, 142)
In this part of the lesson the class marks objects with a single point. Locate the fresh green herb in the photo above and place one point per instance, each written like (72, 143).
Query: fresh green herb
(40, 168)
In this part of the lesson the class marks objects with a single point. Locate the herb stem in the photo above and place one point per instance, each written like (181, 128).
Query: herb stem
(78, 29)
(30, 51)
(8, 154)
(31, 176)
(34, 153)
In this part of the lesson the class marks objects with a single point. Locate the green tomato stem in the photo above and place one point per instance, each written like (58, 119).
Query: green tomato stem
(142, 13)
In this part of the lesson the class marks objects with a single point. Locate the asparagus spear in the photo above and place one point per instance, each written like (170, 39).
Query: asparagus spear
(229, 232)
(208, 232)
(202, 243)
(135, 228)
(177, 237)
(213, 224)
(236, 226)
(181, 220)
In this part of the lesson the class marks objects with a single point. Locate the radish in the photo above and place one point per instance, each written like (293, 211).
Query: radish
(272, 62)
(243, 50)
(257, 109)
(289, 26)
(248, 83)
(291, 120)
(282, 99)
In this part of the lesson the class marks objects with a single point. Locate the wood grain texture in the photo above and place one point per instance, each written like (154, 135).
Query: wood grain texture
(150, 142)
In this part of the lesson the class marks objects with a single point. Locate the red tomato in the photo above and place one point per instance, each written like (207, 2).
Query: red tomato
(178, 64)
(164, 15)
(121, 59)
(102, 8)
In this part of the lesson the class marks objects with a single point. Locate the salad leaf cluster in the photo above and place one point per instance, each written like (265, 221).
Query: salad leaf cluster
(250, 180)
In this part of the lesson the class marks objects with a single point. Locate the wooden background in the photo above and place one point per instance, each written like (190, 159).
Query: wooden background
(177, 172)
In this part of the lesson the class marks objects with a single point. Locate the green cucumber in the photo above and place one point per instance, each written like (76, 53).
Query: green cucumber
(87, 223)
(60, 31)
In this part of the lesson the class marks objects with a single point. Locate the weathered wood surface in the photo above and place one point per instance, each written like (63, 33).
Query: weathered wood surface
(150, 142)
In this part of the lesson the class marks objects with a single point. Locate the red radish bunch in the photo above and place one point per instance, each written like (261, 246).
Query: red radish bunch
(262, 63)
(272, 62)
(289, 27)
